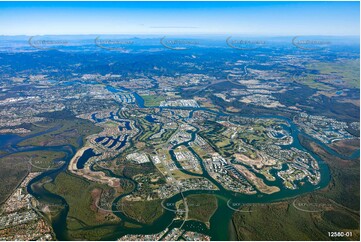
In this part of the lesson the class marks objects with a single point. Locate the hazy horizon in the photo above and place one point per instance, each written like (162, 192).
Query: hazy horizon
(180, 18)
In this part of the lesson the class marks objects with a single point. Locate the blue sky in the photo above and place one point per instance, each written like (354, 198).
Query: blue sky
(252, 18)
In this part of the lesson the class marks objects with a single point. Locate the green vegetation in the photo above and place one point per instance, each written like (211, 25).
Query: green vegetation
(130, 169)
(15, 167)
(213, 134)
(313, 81)
(94, 233)
(13, 170)
(257, 133)
(282, 221)
(69, 132)
(148, 129)
(78, 194)
(42, 160)
(146, 212)
(342, 73)
(347, 70)
(152, 100)
(167, 134)
(150, 182)
(346, 147)
(201, 207)
(344, 187)
(341, 219)
(228, 141)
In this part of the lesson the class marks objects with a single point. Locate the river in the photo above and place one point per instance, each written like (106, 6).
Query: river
(221, 227)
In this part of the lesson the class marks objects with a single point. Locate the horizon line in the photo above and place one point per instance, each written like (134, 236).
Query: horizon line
(189, 34)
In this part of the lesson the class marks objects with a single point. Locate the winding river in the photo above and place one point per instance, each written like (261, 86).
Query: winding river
(220, 223)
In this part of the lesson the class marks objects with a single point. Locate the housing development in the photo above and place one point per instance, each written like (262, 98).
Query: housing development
(189, 137)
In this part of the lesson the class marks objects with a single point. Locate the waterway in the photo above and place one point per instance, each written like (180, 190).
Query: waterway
(220, 223)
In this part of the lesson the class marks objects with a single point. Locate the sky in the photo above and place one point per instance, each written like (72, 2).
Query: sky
(251, 18)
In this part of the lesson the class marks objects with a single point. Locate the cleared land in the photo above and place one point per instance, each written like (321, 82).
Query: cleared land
(258, 182)
(152, 100)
